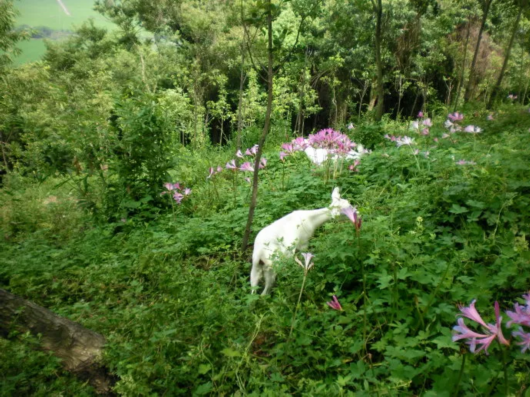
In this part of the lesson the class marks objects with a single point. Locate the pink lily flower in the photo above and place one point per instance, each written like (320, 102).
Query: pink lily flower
(246, 167)
(354, 216)
(299, 143)
(427, 123)
(168, 186)
(262, 163)
(472, 313)
(335, 304)
(212, 171)
(248, 152)
(416, 152)
(425, 131)
(254, 149)
(472, 129)
(187, 191)
(456, 117)
(521, 315)
(283, 155)
(404, 141)
(465, 162)
(219, 169)
(288, 147)
(231, 165)
(435, 140)
(178, 197)
(494, 330)
(239, 154)
(420, 115)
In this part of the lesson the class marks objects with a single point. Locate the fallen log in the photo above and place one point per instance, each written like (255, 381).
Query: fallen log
(79, 348)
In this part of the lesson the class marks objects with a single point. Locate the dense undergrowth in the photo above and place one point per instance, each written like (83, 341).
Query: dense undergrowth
(173, 298)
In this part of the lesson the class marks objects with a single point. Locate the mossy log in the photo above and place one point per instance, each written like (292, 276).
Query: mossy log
(79, 348)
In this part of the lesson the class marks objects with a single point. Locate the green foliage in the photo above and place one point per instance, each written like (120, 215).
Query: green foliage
(89, 136)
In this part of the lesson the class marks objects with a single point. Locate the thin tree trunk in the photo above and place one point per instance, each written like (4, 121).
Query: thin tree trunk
(266, 129)
(79, 348)
(4, 157)
(497, 86)
(471, 82)
(522, 74)
(463, 69)
(379, 63)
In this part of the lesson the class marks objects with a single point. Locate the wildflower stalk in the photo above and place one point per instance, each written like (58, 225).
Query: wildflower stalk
(298, 304)
(365, 318)
(503, 357)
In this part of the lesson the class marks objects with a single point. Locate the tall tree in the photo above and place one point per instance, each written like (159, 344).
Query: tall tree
(266, 126)
(522, 5)
(486, 6)
(378, 11)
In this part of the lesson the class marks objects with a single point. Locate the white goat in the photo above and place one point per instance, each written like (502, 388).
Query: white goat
(287, 234)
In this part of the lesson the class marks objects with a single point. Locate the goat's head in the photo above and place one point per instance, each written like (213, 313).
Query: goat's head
(337, 203)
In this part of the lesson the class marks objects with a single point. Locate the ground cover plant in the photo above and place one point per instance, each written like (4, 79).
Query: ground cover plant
(128, 169)
(174, 301)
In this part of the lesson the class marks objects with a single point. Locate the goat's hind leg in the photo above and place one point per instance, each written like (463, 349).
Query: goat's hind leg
(270, 277)
(255, 276)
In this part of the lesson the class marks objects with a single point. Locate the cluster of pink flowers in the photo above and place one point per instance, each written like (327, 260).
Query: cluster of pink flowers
(246, 166)
(421, 126)
(327, 143)
(520, 316)
(173, 188)
(452, 124)
(332, 140)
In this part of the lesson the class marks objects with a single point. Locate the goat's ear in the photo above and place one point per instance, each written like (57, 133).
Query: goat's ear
(335, 195)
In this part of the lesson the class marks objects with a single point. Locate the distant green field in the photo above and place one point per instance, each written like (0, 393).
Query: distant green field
(49, 13)
(32, 50)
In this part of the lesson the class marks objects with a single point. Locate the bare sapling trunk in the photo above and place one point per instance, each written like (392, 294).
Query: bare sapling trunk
(79, 348)
(471, 82)
(497, 86)
(266, 129)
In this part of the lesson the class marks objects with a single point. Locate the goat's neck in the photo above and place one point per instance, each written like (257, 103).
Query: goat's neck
(317, 218)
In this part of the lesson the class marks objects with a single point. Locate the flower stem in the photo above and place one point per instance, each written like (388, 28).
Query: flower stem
(297, 305)
(506, 384)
